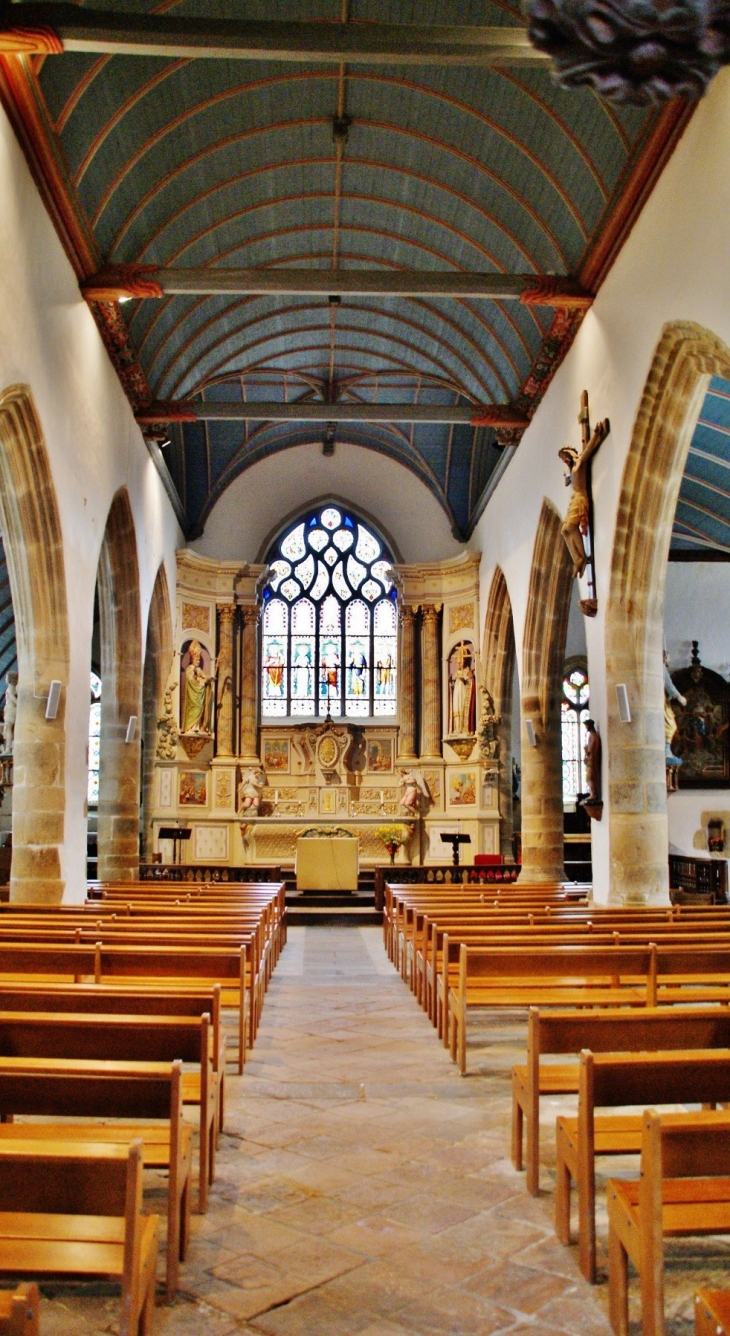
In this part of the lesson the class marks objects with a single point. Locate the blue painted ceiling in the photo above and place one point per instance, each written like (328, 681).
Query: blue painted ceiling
(195, 163)
(702, 518)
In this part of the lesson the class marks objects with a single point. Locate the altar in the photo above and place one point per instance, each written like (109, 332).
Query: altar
(327, 862)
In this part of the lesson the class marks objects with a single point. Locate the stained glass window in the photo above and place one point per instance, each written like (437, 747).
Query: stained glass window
(94, 739)
(574, 712)
(329, 631)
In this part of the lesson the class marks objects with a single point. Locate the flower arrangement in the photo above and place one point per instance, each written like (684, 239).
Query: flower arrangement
(393, 836)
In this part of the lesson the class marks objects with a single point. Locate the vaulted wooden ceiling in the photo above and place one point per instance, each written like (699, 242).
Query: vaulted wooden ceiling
(401, 244)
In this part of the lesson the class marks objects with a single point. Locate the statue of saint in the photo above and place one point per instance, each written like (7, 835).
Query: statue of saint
(592, 758)
(250, 789)
(463, 691)
(196, 710)
(415, 792)
(167, 739)
(670, 723)
(11, 710)
(575, 524)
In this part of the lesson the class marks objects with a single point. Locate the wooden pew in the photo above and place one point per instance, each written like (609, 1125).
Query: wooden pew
(138, 1039)
(62, 1088)
(77, 1213)
(684, 1191)
(622, 1031)
(617, 1080)
(19, 1311)
(712, 1313)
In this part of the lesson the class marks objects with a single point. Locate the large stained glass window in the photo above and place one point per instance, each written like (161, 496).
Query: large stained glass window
(574, 712)
(329, 630)
(94, 739)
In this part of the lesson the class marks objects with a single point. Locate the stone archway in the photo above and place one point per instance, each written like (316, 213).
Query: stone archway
(498, 664)
(121, 695)
(686, 357)
(543, 655)
(157, 666)
(34, 548)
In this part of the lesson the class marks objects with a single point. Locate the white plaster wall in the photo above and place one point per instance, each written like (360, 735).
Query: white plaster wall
(49, 341)
(260, 498)
(674, 266)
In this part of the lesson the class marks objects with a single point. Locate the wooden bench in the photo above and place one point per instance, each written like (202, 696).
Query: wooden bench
(77, 1213)
(19, 1311)
(684, 1191)
(712, 1313)
(622, 1031)
(152, 1093)
(619, 1080)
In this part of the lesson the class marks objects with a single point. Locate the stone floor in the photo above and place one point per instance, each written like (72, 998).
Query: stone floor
(364, 1187)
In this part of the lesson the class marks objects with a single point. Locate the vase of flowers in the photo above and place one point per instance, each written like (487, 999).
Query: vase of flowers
(392, 837)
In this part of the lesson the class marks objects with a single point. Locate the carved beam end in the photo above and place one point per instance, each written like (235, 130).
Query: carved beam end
(501, 416)
(165, 411)
(557, 292)
(29, 39)
(121, 280)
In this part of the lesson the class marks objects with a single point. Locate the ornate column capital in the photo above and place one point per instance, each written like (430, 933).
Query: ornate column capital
(251, 613)
(226, 613)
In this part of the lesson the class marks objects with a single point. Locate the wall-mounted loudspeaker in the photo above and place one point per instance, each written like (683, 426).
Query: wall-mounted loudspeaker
(54, 699)
(622, 700)
(530, 731)
(131, 728)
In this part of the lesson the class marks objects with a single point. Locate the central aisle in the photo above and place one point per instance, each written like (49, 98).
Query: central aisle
(364, 1186)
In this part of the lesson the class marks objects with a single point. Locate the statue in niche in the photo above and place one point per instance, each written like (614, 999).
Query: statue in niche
(592, 758)
(250, 790)
(166, 728)
(577, 517)
(489, 722)
(10, 714)
(198, 690)
(462, 689)
(415, 798)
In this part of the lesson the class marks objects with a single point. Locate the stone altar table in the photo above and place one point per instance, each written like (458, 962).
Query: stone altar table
(327, 863)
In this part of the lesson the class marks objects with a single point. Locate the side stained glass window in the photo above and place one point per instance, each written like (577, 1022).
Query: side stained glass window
(574, 712)
(329, 631)
(94, 740)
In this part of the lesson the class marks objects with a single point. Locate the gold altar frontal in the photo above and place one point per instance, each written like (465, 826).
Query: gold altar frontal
(327, 863)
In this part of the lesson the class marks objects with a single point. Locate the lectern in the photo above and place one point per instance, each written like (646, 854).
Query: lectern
(178, 835)
(455, 841)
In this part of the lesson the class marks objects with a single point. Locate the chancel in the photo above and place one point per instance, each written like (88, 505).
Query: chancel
(364, 667)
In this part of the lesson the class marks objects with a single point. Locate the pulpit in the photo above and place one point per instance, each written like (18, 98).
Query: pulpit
(326, 862)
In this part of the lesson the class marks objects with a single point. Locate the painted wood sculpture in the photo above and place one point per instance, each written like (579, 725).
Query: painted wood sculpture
(578, 522)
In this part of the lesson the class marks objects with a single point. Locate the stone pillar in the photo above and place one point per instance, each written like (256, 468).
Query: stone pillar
(39, 797)
(430, 683)
(506, 805)
(407, 687)
(249, 679)
(224, 722)
(119, 792)
(542, 796)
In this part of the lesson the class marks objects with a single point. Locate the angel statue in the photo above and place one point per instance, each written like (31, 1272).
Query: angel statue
(250, 790)
(415, 797)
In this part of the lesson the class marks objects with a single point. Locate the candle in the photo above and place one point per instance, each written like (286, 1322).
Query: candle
(276, 795)
(382, 797)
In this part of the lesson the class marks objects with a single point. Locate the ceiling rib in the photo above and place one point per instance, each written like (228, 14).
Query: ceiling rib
(51, 29)
(149, 281)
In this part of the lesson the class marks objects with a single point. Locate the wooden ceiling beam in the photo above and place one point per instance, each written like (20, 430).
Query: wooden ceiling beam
(501, 416)
(123, 282)
(51, 29)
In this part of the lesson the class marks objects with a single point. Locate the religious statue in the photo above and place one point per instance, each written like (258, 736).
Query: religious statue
(670, 723)
(462, 683)
(575, 524)
(250, 790)
(196, 707)
(166, 729)
(592, 759)
(489, 723)
(11, 710)
(415, 797)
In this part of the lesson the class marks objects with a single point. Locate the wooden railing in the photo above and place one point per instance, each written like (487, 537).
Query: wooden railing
(195, 872)
(699, 876)
(443, 874)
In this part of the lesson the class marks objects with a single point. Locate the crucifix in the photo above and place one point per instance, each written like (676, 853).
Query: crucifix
(578, 522)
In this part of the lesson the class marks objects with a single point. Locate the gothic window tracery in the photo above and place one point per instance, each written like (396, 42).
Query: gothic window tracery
(573, 713)
(94, 739)
(329, 630)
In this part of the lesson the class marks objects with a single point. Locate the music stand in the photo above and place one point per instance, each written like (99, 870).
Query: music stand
(455, 841)
(178, 834)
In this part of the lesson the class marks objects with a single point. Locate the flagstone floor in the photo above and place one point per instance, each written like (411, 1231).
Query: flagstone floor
(365, 1188)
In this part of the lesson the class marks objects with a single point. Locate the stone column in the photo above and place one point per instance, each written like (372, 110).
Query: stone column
(224, 723)
(506, 806)
(39, 795)
(249, 679)
(430, 683)
(542, 796)
(407, 687)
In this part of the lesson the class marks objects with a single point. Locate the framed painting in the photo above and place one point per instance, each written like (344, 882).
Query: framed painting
(276, 755)
(193, 790)
(463, 788)
(702, 739)
(380, 755)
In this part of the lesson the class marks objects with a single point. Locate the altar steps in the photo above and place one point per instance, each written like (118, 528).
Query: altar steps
(342, 909)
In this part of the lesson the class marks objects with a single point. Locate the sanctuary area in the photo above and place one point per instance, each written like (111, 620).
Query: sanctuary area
(364, 667)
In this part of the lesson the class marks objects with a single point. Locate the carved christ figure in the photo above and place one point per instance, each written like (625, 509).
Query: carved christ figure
(575, 524)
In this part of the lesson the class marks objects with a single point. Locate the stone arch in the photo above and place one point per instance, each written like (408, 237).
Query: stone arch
(121, 696)
(34, 548)
(157, 668)
(498, 664)
(685, 358)
(543, 654)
